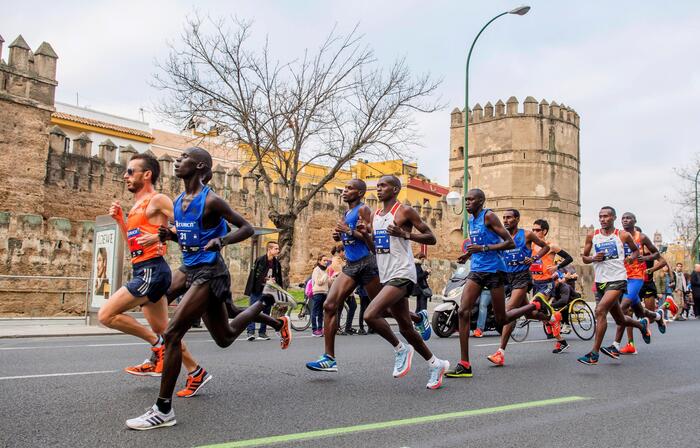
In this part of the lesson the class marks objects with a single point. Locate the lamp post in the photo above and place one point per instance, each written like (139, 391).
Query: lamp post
(520, 11)
(697, 231)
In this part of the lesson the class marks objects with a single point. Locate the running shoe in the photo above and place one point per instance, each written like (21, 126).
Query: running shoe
(661, 322)
(565, 328)
(194, 384)
(646, 331)
(317, 333)
(560, 346)
(251, 337)
(285, 333)
(497, 358)
(543, 306)
(263, 337)
(459, 371)
(478, 333)
(152, 419)
(590, 359)
(146, 368)
(158, 352)
(324, 364)
(629, 349)
(423, 327)
(436, 374)
(611, 351)
(402, 361)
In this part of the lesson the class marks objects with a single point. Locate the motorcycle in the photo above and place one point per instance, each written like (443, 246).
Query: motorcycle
(445, 319)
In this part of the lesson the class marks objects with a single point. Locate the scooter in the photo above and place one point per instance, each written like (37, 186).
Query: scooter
(445, 319)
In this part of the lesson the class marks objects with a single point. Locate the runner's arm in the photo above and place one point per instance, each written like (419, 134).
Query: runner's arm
(585, 256)
(411, 216)
(626, 237)
(244, 229)
(117, 213)
(364, 228)
(495, 224)
(653, 251)
(658, 265)
(566, 259)
(544, 247)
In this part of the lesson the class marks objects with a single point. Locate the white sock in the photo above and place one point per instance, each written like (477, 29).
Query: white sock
(433, 362)
(616, 345)
(399, 347)
(159, 341)
(502, 351)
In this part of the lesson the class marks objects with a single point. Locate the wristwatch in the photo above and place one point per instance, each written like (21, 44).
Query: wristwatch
(485, 248)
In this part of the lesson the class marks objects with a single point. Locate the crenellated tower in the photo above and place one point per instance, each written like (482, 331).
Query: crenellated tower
(523, 158)
(27, 90)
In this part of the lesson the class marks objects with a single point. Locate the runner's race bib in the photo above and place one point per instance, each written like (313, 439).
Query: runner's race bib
(382, 242)
(134, 247)
(609, 248)
(513, 257)
(536, 267)
(188, 236)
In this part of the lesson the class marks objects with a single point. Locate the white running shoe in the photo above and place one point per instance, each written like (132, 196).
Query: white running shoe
(436, 374)
(152, 419)
(402, 361)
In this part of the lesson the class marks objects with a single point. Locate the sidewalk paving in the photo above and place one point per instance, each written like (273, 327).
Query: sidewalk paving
(27, 327)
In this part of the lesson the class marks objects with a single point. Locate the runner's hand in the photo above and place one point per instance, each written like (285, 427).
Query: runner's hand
(165, 234)
(598, 257)
(116, 212)
(528, 260)
(148, 239)
(551, 269)
(342, 227)
(396, 231)
(361, 226)
(463, 258)
(474, 248)
(214, 245)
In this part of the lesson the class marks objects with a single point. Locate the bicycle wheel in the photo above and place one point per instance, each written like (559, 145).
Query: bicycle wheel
(582, 319)
(343, 317)
(300, 319)
(521, 329)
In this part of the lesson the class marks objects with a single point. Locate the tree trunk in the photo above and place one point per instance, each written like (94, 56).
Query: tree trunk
(285, 223)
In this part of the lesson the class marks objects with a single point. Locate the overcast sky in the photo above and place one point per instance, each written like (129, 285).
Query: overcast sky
(629, 68)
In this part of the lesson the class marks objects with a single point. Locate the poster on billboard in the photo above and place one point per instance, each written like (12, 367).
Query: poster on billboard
(106, 261)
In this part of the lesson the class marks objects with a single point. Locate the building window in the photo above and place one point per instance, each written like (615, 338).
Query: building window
(66, 145)
(460, 151)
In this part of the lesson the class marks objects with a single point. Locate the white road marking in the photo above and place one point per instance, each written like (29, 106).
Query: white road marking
(20, 377)
(516, 343)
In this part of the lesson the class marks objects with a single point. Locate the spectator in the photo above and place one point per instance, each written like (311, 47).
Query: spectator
(679, 291)
(695, 288)
(421, 289)
(484, 302)
(337, 264)
(321, 282)
(364, 303)
(266, 268)
(666, 283)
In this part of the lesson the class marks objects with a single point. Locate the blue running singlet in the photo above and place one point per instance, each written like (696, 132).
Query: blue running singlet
(191, 234)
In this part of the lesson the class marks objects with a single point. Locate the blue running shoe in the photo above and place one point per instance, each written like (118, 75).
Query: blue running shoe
(423, 327)
(402, 361)
(436, 374)
(646, 331)
(324, 364)
(661, 322)
(590, 359)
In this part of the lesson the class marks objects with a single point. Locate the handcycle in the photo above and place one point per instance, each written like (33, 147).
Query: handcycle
(579, 317)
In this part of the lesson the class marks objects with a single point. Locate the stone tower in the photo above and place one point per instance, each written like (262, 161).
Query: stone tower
(526, 159)
(27, 89)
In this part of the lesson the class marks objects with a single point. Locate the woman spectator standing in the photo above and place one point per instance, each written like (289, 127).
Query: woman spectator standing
(321, 282)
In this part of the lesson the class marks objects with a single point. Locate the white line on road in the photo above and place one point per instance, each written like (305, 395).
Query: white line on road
(55, 374)
(516, 343)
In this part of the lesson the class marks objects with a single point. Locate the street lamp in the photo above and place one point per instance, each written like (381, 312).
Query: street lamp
(697, 232)
(453, 199)
(519, 11)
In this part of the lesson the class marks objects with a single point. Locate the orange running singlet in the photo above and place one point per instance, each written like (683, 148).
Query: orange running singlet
(136, 224)
(539, 268)
(637, 269)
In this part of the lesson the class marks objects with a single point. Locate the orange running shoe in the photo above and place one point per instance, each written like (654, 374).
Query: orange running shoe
(158, 353)
(497, 358)
(146, 368)
(285, 333)
(628, 349)
(478, 333)
(194, 384)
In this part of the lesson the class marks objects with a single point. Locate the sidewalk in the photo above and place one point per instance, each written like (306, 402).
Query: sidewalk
(29, 327)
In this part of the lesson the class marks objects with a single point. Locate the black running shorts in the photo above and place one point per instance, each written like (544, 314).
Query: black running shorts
(215, 274)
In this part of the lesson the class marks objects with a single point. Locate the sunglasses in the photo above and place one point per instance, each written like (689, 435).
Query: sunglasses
(131, 171)
(536, 230)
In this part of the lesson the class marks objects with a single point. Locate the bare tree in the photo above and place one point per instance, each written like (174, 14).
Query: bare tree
(684, 216)
(328, 106)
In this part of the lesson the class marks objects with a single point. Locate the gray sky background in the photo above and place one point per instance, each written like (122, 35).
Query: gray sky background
(629, 68)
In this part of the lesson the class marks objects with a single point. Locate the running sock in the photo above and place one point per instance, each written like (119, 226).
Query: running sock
(465, 364)
(197, 371)
(399, 347)
(502, 351)
(164, 405)
(160, 341)
(616, 345)
(433, 362)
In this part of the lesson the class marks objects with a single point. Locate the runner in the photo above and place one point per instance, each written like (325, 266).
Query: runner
(544, 273)
(488, 238)
(200, 219)
(360, 270)
(392, 227)
(610, 278)
(631, 300)
(151, 274)
(519, 280)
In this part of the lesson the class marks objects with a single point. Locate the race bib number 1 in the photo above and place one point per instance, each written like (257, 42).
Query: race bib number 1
(382, 242)
(609, 248)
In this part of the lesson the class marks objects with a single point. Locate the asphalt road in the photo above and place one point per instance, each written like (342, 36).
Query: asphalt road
(537, 400)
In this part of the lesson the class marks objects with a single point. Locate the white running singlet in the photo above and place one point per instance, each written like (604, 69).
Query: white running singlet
(394, 255)
(612, 269)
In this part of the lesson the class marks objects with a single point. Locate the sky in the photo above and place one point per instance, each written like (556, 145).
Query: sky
(629, 68)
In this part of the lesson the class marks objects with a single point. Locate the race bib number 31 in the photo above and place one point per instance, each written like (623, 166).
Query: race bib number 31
(382, 241)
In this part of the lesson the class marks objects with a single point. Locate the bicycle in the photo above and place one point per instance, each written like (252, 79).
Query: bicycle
(286, 305)
(580, 318)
